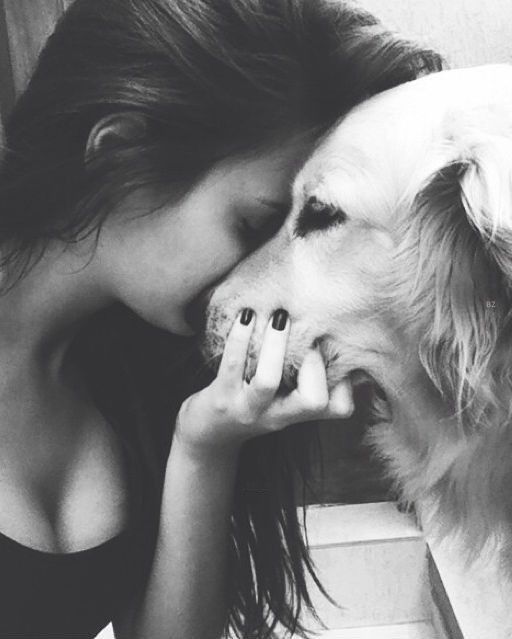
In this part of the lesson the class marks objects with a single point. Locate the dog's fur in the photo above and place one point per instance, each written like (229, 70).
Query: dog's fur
(397, 256)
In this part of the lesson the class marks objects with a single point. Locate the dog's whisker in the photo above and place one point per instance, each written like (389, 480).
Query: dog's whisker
(209, 364)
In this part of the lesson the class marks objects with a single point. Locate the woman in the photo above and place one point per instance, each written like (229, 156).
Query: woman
(152, 150)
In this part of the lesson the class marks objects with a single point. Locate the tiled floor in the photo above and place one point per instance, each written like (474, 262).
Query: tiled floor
(372, 560)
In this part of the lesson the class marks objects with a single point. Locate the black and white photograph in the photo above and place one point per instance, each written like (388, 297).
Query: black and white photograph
(255, 319)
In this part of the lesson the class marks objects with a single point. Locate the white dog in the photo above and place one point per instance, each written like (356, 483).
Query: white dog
(397, 257)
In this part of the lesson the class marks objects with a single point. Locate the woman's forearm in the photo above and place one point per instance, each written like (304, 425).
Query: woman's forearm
(186, 596)
(186, 592)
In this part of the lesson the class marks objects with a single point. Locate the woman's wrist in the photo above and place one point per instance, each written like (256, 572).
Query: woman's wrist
(208, 454)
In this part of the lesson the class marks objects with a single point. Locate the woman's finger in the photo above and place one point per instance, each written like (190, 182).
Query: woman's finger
(312, 381)
(232, 365)
(341, 400)
(310, 398)
(266, 380)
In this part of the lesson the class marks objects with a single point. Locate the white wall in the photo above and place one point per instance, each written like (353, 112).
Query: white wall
(466, 32)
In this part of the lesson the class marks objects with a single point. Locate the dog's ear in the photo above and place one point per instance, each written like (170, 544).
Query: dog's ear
(459, 241)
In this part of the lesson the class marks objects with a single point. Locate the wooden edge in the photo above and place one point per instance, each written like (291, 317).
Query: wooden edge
(441, 601)
(349, 524)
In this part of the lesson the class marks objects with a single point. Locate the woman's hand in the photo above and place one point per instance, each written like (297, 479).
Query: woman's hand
(230, 410)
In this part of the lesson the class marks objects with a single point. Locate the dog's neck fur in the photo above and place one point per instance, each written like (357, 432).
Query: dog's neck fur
(422, 437)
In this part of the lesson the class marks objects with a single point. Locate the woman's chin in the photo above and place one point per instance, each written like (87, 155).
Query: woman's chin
(172, 321)
(178, 325)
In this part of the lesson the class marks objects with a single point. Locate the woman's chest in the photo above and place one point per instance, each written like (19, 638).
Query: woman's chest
(68, 493)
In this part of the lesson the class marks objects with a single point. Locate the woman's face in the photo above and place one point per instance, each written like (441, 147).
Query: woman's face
(157, 264)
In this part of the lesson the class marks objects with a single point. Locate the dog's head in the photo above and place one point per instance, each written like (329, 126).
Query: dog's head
(397, 257)
(397, 254)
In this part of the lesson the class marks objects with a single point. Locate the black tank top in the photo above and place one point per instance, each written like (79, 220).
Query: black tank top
(70, 595)
(75, 595)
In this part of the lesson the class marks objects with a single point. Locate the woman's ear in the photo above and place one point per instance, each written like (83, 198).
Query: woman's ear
(458, 240)
(115, 130)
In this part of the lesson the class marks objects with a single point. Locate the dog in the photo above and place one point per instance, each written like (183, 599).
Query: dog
(396, 258)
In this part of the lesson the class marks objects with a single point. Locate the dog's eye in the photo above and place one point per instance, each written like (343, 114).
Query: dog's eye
(316, 216)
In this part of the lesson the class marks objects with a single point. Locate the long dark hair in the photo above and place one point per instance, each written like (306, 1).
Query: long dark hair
(211, 78)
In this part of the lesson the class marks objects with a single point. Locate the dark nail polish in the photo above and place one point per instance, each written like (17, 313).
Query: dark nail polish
(246, 316)
(279, 320)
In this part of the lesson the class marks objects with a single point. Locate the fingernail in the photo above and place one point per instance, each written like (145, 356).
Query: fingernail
(279, 320)
(246, 316)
